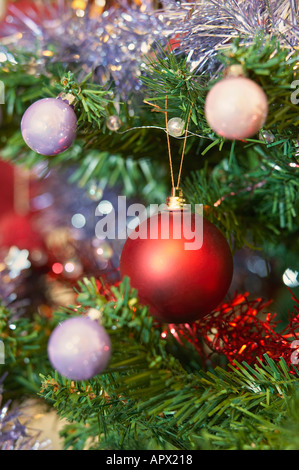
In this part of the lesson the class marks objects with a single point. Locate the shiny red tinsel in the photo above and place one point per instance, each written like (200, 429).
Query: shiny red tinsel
(242, 330)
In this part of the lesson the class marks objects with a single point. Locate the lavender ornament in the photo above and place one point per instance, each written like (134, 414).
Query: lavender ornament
(49, 126)
(79, 348)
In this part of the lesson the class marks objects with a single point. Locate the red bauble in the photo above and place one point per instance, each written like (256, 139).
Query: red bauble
(18, 230)
(7, 185)
(179, 285)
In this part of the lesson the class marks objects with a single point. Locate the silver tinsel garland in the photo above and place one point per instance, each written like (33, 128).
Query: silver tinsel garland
(207, 26)
(13, 434)
(114, 43)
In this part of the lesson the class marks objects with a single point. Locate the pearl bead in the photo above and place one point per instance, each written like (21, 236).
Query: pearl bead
(113, 123)
(175, 126)
(236, 108)
(266, 136)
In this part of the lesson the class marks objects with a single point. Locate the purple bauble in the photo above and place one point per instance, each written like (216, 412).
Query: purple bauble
(79, 348)
(49, 126)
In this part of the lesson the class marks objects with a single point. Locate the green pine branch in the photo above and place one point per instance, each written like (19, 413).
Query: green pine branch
(25, 342)
(147, 399)
(275, 69)
(174, 87)
(251, 196)
(114, 157)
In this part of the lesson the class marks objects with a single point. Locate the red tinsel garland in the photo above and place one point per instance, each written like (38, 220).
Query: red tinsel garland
(242, 330)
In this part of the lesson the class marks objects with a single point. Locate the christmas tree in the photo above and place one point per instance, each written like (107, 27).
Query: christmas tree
(118, 116)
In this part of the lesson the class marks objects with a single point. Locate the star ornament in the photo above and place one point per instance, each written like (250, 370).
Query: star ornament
(16, 261)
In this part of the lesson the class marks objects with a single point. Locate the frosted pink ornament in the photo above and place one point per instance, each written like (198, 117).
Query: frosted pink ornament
(49, 126)
(79, 348)
(236, 108)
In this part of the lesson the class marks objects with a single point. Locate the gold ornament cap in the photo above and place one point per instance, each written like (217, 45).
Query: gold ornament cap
(176, 201)
(235, 70)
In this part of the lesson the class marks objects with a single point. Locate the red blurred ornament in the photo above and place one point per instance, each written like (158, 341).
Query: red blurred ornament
(7, 181)
(178, 284)
(18, 230)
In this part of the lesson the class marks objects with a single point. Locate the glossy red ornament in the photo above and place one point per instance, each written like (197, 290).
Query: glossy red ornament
(178, 284)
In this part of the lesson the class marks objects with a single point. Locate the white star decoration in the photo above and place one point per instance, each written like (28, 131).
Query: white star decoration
(17, 260)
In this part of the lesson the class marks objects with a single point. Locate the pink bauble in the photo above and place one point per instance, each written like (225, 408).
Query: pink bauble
(79, 348)
(236, 108)
(49, 126)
